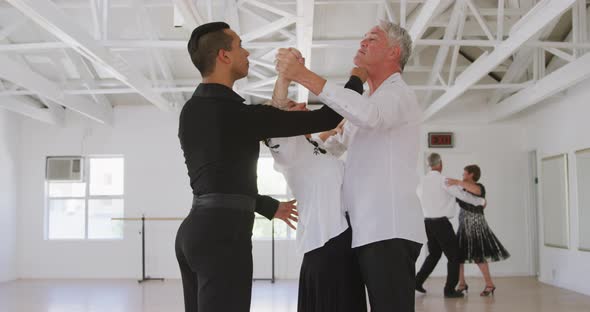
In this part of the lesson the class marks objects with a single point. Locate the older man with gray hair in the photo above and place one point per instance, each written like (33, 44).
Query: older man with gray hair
(380, 176)
(439, 205)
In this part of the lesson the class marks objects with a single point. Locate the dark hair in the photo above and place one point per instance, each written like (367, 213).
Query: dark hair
(474, 169)
(204, 44)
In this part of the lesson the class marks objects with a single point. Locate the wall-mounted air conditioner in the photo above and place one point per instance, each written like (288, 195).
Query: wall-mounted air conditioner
(65, 169)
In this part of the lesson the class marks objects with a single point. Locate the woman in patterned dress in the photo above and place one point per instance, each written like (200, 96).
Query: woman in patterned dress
(477, 242)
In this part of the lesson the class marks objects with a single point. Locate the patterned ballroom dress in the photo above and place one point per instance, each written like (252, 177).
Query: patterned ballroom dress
(477, 242)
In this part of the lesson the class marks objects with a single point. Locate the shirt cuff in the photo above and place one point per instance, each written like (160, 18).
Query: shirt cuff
(266, 206)
(355, 83)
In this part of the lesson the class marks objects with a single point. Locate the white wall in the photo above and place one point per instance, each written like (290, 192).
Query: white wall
(9, 135)
(560, 125)
(156, 184)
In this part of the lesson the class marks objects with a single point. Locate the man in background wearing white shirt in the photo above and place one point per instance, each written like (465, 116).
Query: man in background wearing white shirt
(380, 177)
(438, 202)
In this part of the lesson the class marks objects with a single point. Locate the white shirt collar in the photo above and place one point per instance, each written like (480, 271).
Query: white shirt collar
(393, 78)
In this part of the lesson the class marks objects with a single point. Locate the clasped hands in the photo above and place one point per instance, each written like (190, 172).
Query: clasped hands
(289, 63)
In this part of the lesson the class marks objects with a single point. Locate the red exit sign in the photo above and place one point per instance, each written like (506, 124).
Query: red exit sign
(440, 139)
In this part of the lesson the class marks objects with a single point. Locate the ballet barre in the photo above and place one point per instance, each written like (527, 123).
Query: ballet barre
(145, 278)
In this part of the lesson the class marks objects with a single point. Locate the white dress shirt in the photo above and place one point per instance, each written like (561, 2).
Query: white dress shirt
(315, 178)
(438, 199)
(380, 176)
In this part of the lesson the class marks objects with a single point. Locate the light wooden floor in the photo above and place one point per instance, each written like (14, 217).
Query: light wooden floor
(513, 294)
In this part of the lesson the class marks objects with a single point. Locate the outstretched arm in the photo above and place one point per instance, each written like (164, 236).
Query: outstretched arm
(470, 187)
(469, 198)
(358, 77)
(352, 106)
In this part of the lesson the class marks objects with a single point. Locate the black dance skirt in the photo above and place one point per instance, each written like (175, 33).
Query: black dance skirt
(330, 279)
(477, 242)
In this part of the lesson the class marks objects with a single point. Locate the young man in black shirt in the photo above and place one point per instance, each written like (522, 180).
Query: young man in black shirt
(220, 136)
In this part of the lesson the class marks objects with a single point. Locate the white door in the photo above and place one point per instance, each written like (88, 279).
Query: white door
(533, 217)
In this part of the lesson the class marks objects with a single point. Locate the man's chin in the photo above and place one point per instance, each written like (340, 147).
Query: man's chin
(357, 61)
(242, 75)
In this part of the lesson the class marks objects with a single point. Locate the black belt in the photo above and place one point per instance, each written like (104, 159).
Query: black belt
(436, 219)
(224, 201)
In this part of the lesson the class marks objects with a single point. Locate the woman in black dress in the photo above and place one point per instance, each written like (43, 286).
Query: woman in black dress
(477, 242)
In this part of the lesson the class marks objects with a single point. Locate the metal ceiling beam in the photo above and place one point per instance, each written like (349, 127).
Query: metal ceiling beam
(28, 107)
(457, 15)
(56, 22)
(521, 63)
(430, 9)
(559, 80)
(152, 33)
(87, 76)
(539, 17)
(125, 45)
(265, 87)
(190, 14)
(21, 75)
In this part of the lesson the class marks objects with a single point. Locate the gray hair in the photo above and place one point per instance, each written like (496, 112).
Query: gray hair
(434, 160)
(398, 35)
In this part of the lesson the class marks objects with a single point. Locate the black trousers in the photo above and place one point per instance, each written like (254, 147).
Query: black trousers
(388, 269)
(214, 251)
(441, 239)
(330, 280)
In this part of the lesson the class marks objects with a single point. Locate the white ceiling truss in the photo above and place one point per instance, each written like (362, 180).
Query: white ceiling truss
(505, 48)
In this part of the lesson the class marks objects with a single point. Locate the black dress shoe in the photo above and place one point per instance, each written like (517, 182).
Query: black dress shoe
(454, 294)
(421, 289)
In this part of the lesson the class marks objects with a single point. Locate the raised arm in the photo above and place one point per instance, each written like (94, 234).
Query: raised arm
(280, 93)
(361, 111)
(263, 121)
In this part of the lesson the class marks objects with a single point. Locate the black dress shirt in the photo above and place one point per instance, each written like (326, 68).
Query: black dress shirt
(220, 138)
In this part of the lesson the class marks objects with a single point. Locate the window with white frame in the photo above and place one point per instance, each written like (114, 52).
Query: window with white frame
(271, 183)
(83, 209)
